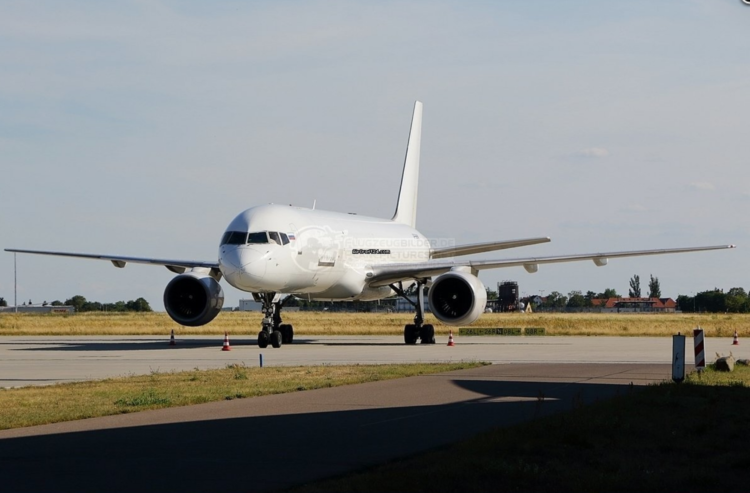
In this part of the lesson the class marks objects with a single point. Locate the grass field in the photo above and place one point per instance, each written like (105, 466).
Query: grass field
(690, 437)
(325, 323)
(29, 406)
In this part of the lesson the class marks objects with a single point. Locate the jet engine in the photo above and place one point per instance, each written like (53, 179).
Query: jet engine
(193, 299)
(457, 298)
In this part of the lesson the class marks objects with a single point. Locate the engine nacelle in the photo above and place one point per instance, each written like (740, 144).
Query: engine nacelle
(457, 298)
(193, 299)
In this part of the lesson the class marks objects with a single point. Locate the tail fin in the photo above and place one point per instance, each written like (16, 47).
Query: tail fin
(406, 208)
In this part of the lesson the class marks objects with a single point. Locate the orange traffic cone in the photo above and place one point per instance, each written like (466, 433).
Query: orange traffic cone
(171, 339)
(450, 339)
(736, 341)
(226, 343)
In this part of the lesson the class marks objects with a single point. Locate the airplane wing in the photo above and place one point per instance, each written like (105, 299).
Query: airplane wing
(177, 266)
(457, 251)
(385, 274)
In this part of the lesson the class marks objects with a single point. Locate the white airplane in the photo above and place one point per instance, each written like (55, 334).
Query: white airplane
(278, 252)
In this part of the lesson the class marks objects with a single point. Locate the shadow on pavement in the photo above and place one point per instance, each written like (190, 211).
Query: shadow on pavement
(271, 452)
(126, 345)
(181, 343)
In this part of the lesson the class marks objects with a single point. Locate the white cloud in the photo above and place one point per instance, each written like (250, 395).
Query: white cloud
(594, 152)
(702, 185)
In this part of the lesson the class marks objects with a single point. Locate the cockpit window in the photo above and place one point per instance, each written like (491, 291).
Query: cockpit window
(284, 238)
(274, 236)
(234, 238)
(257, 237)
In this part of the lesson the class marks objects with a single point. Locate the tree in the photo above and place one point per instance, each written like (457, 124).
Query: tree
(3, 302)
(635, 287)
(737, 301)
(491, 295)
(654, 289)
(139, 305)
(576, 300)
(607, 294)
(91, 306)
(56, 303)
(685, 303)
(556, 300)
(76, 302)
(711, 301)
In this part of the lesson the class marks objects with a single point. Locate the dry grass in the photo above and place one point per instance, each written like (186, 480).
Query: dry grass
(29, 406)
(325, 323)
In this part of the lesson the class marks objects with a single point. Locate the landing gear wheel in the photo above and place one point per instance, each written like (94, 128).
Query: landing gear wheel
(276, 339)
(287, 333)
(427, 334)
(410, 334)
(263, 339)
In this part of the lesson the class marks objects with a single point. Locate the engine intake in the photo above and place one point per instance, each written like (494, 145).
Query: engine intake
(457, 298)
(193, 299)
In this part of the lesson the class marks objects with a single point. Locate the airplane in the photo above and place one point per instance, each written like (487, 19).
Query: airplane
(278, 252)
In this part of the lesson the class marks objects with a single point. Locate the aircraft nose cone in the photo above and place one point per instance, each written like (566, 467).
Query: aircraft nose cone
(243, 267)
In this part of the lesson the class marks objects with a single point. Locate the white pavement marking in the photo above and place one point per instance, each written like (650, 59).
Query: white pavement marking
(44, 360)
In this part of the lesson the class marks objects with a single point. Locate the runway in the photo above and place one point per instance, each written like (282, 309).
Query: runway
(44, 360)
(274, 442)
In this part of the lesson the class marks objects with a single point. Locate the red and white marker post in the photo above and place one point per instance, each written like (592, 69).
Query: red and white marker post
(700, 350)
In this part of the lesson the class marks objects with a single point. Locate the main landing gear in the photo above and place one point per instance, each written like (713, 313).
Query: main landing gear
(273, 331)
(417, 330)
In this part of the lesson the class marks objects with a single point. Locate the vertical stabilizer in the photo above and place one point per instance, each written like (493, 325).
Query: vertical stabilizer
(406, 208)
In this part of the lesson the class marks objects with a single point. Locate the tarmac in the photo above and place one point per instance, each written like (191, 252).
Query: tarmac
(44, 360)
(275, 442)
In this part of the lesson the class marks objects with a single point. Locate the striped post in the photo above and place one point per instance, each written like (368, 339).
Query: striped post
(700, 350)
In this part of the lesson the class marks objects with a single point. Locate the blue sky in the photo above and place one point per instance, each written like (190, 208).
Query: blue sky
(142, 128)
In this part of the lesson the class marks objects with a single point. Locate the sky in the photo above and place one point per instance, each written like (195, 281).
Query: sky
(142, 128)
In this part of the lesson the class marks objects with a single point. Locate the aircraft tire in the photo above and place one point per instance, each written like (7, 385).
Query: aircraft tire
(276, 338)
(287, 333)
(263, 339)
(427, 334)
(410, 334)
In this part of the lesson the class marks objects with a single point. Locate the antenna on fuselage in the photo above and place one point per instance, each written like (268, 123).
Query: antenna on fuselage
(314, 202)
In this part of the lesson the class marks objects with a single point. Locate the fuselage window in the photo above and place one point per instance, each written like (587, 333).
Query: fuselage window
(284, 238)
(234, 238)
(257, 237)
(274, 237)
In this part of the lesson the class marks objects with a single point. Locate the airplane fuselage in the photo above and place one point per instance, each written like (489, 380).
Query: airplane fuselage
(314, 254)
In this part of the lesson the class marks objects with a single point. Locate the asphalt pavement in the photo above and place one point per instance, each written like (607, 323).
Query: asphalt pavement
(274, 442)
(44, 360)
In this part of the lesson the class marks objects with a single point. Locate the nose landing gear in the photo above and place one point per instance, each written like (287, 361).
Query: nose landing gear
(273, 331)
